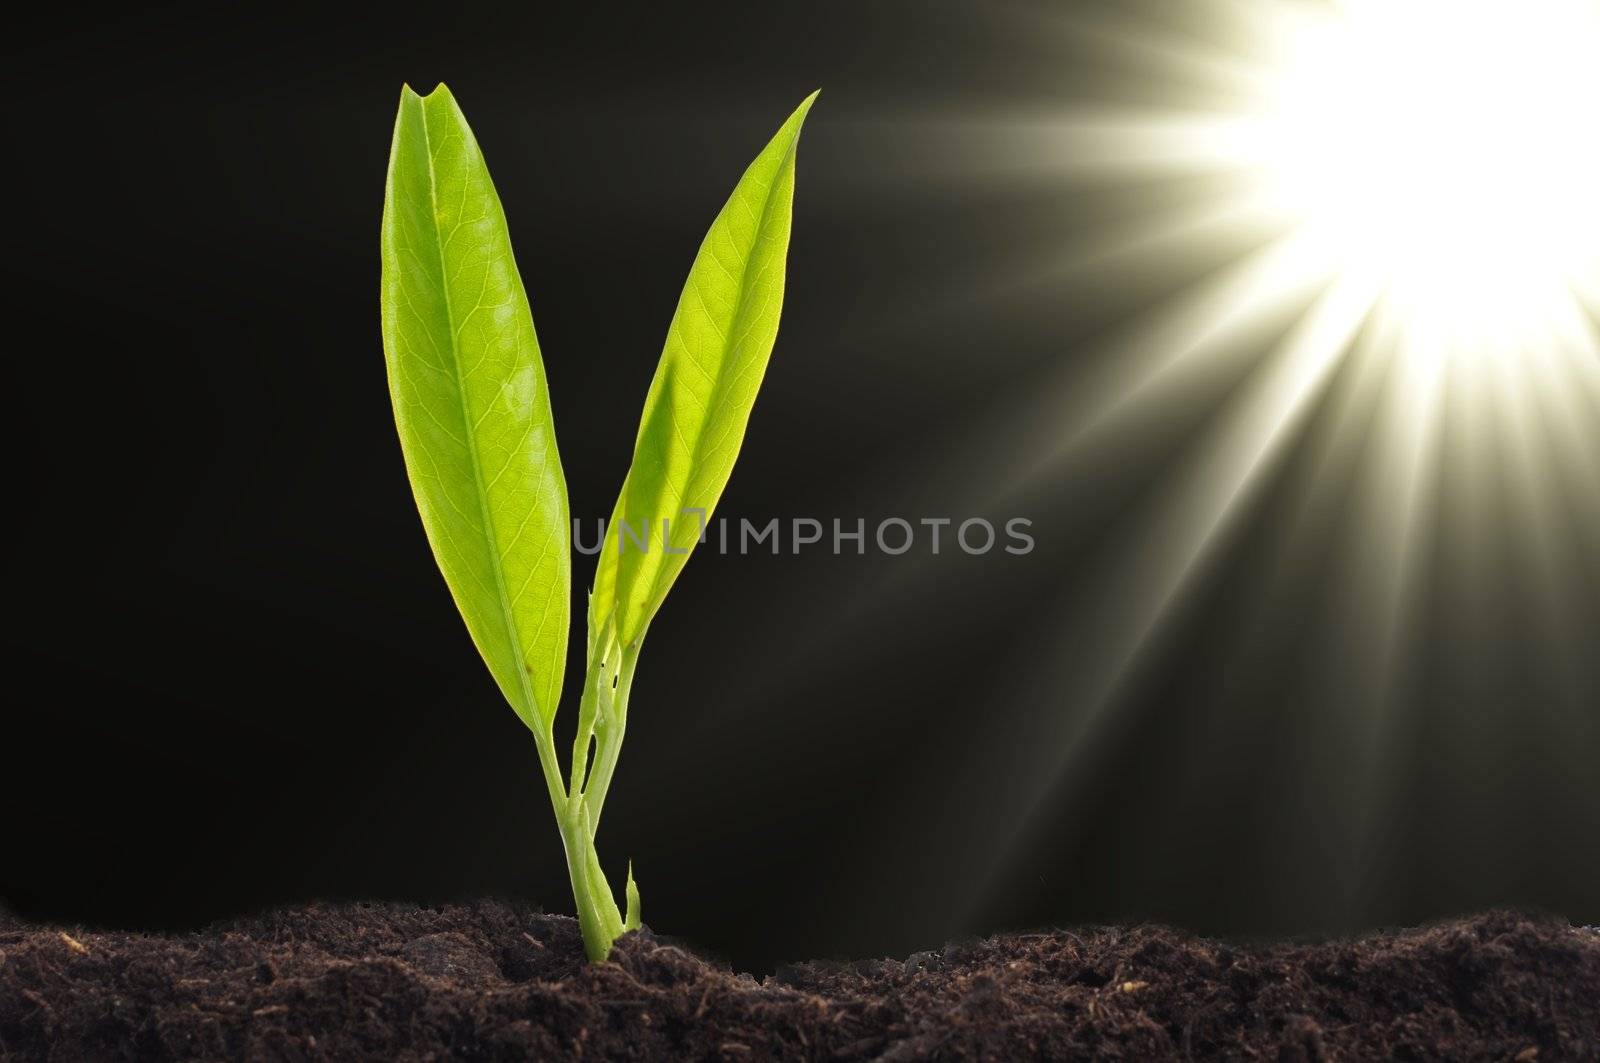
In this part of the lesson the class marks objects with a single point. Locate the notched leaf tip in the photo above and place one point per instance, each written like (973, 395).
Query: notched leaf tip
(441, 90)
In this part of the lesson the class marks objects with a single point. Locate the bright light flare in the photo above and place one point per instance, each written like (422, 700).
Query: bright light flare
(1414, 185)
(1448, 150)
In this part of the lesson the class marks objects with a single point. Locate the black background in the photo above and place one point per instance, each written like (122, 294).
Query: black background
(237, 679)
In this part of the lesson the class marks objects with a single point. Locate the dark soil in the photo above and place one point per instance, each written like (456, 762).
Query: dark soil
(492, 980)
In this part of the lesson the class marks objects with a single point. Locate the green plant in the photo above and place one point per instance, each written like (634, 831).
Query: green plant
(473, 412)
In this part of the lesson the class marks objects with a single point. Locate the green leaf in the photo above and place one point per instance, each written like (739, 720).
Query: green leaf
(632, 892)
(700, 400)
(472, 405)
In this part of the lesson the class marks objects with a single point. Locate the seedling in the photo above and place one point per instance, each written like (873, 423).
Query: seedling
(473, 411)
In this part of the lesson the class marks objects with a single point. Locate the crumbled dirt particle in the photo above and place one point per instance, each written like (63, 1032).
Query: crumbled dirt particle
(499, 981)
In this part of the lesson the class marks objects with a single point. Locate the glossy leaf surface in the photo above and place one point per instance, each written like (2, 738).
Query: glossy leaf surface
(705, 386)
(472, 405)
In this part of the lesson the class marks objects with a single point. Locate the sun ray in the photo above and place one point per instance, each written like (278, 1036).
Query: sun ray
(1428, 163)
(1171, 547)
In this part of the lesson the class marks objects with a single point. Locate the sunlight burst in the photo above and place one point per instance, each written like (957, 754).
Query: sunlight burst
(1448, 149)
(1394, 208)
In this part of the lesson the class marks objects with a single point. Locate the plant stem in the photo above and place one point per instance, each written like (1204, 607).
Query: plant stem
(611, 741)
(598, 918)
(602, 721)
